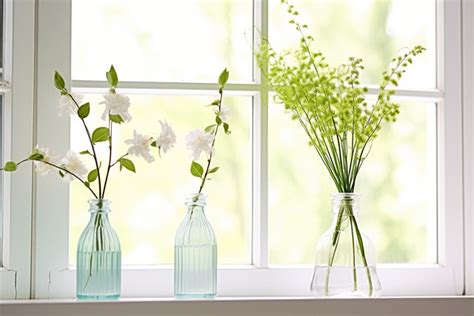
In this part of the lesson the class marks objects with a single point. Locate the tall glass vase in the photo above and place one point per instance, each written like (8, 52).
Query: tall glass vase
(345, 257)
(98, 274)
(195, 253)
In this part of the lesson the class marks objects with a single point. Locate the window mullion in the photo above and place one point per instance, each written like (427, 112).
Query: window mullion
(260, 146)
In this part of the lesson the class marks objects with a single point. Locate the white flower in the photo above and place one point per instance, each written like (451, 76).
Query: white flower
(66, 104)
(224, 113)
(140, 146)
(40, 167)
(72, 163)
(116, 104)
(167, 138)
(199, 141)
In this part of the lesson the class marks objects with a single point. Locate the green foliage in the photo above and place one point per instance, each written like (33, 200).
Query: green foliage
(101, 134)
(112, 77)
(85, 152)
(196, 169)
(223, 77)
(213, 170)
(116, 118)
(127, 164)
(329, 102)
(92, 176)
(36, 155)
(10, 166)
(59, 82)
(84, 110)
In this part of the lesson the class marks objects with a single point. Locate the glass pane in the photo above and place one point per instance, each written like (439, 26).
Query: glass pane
(374, 30)
(147, 207)
(162, 40)
(397, 183)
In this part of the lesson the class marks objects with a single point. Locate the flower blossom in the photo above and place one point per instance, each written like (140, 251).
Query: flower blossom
(167, 138)
(66, 105)
(140, 146)
(199, 141)
(224, 113)
(73, 163)
(116, 104)
(40, 166)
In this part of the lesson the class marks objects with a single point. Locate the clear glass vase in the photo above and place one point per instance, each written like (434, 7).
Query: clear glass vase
(195, 253)
(345, 257)
(98, 274)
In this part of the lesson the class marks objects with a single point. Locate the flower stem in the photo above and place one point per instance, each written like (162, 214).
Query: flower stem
(72, 174)
(94, 154)
(109, 166)
(206, 173)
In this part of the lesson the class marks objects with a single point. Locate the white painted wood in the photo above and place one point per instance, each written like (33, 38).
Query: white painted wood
(16, 133)
(53, 278)
(433, 306)
(397, 280)
(51, 196)
(149, 87)
(468, 103)
(7, 284)
(450, 150)
(260, 251)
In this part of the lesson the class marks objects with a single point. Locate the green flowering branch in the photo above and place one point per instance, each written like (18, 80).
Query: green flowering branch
(197, 169)
(330, 105)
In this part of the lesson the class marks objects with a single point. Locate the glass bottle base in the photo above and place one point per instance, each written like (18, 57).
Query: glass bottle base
(195, 296)
(345, 281)
(98, 297)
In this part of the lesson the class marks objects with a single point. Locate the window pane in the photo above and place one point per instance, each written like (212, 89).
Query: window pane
(147, 207)
(374, 30)
(397, 183)
(161, 40)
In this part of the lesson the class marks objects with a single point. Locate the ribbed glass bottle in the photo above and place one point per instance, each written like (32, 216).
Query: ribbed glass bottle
(98, 274)
(195, 253)
(345, 256)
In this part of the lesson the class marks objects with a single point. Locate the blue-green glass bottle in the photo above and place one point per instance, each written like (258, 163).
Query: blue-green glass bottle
(98, 274)
(195, 253)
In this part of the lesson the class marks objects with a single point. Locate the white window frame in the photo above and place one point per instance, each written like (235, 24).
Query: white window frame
(53, 278)
(17, 130)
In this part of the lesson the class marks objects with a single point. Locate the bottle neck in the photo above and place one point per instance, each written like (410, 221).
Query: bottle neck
(196, 203)
(345, 205)
(97, 206)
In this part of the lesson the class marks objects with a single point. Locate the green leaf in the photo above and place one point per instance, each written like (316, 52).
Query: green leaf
(36, 156)
(127, 164)
(87, 184)
(196, 169)
(226, 128)
(112, 77)
(101, 134)
(210, 128)
(59, 81)
(216, 102)
(85, 152)
(84, 110)
(10, 166)
(61, 173)
(223, 77)
(116, 118)
(218, 120)
(153, 144)
(92, 176)
(213, 170)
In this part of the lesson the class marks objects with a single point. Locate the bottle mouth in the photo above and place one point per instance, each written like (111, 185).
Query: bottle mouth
(98, 205)
(345, 196)
(196, 199)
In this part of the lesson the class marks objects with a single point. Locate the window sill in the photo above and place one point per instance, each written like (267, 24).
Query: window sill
(275, 306)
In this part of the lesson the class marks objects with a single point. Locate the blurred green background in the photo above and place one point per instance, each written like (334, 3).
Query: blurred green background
(192, 41)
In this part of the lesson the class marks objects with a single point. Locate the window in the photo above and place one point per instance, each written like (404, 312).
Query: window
(268, 217)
